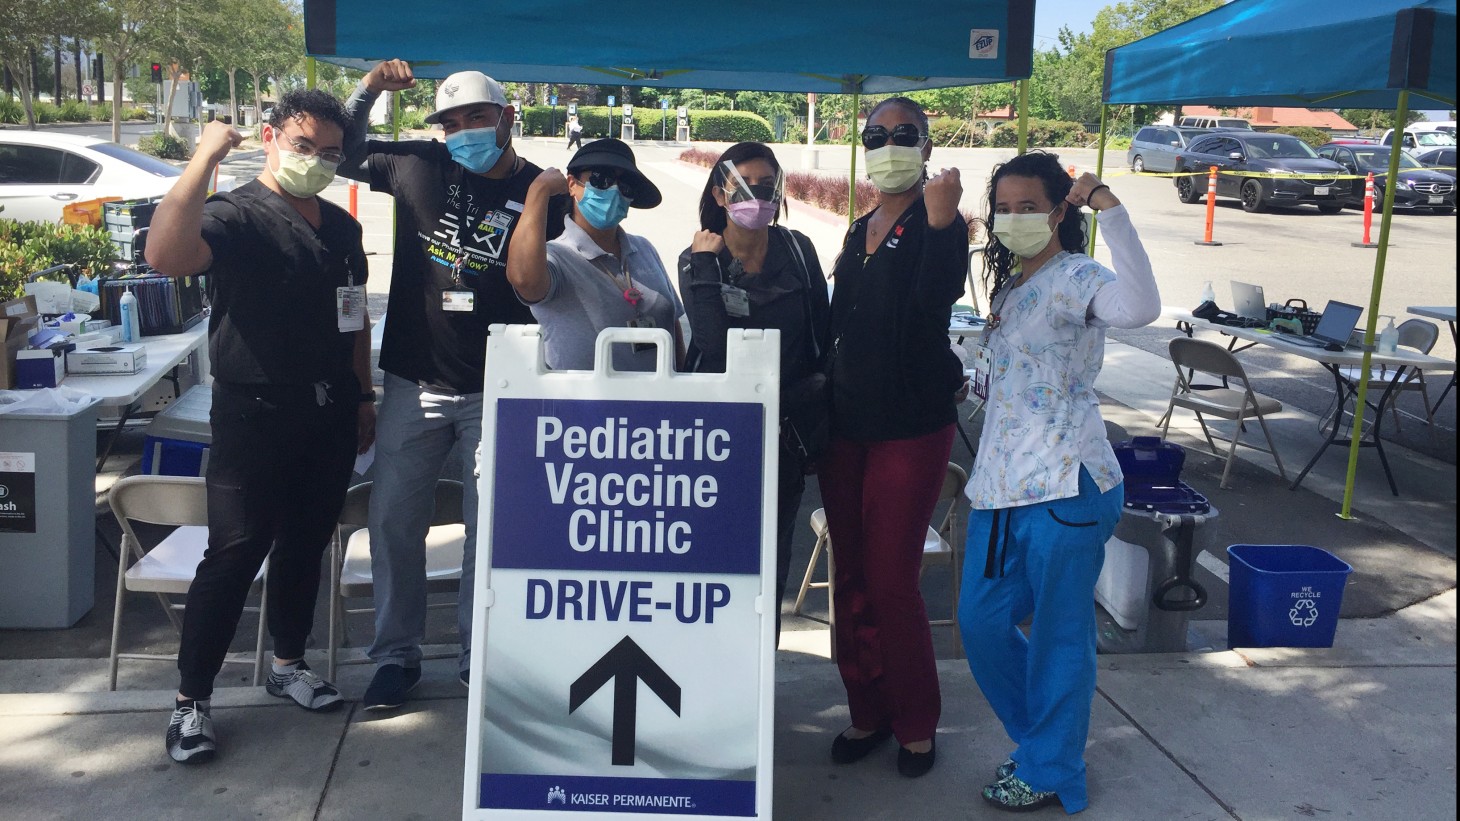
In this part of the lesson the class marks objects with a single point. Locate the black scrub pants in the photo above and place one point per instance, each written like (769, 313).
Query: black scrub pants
(278, 469)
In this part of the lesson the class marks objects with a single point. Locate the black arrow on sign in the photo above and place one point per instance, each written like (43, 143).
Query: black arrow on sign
(626, 664)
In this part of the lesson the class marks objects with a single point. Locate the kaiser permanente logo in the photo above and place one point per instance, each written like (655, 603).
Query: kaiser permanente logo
(556, 795)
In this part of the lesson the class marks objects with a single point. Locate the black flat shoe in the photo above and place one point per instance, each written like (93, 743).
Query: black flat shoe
(848, 750)
(916, 765)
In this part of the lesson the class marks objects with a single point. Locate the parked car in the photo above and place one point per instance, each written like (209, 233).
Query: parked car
(1154, 148)
(1440, 159)
(1262, 153)
(1418, 187)
(1417, 141)
(1214, 122)
(43, 171)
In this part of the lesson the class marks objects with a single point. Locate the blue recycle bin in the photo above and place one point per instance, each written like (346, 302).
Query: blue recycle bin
(1284, 595)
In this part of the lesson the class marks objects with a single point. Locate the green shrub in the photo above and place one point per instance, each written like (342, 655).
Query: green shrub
(412, 120)
(1314, 137)
(795, 133)
(165, 146)
(72, 111)
(729, 126)
(46, 113)
(1042, 134)
(27, 247)
(11, 111)
(133, 113)
(946, 132)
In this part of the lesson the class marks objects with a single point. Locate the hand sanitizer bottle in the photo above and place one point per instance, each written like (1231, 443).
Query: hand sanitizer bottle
(1207, 294)
(131, 325)
(1389, 337)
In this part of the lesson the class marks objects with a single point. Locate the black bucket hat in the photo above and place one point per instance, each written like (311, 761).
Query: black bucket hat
(613, 153)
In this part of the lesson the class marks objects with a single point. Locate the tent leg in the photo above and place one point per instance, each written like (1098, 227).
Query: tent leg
(1099, 172)
(852, 182)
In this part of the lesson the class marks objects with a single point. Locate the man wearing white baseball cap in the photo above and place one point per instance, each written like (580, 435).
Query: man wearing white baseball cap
(457, 205)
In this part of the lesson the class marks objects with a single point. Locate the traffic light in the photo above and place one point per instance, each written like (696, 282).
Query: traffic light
(156, 72)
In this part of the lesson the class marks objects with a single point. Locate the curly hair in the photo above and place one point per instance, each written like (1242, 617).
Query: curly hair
(998, 261)
(320, 105)
(712, 214)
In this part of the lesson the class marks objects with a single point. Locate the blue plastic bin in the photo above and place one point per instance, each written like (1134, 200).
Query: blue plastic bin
(1284, 595)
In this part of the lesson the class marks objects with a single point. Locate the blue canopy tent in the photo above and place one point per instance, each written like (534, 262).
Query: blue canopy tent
(828, 46)
(831, 46)
(1308, 53)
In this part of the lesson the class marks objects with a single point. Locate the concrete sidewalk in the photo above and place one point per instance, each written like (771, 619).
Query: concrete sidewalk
(1365, 730)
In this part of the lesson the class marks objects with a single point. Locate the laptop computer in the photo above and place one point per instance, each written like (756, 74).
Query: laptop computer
(1333, 331)
(1248, 301)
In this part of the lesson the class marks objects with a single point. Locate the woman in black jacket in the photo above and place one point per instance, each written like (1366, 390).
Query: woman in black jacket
(893, 379)
(745, 271)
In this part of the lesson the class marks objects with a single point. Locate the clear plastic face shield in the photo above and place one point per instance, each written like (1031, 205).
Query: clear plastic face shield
(739, 188)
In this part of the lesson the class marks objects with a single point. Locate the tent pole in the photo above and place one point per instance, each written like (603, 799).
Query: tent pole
(1099, 172)
(310, 73)
(1401, 115)
(1023, 116)
(852, 141)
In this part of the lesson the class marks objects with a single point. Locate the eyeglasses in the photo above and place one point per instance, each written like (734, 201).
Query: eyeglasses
(906, 135)
(305, 148)
(603, 180)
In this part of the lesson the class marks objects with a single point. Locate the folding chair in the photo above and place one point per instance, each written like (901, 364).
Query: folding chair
(1418, 335)
(942, 546)
(350, 574)
(1192, 356)
(168, 569)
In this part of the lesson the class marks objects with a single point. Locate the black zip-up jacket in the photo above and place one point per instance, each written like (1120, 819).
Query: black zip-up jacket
(893, 375)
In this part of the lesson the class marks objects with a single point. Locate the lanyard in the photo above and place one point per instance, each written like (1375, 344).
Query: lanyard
(631, 294)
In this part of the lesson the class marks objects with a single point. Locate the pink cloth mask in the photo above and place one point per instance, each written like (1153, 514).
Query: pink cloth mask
(752, 215)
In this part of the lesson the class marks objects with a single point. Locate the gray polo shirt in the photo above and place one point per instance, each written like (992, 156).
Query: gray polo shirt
(586, 295)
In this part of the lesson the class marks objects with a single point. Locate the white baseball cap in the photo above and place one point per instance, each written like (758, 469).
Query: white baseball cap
(466, 88)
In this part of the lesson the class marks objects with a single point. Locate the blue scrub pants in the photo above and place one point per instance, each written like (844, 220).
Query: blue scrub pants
(1045, 560)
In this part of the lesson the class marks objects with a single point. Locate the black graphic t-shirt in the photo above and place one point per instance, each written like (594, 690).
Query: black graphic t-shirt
(443, 212)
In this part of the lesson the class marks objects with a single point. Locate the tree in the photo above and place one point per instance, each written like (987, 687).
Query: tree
(1376, 118)
(29, 25)
(121, 31)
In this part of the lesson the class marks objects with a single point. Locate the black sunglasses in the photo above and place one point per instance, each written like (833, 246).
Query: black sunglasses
(604, 180)
(906, 135)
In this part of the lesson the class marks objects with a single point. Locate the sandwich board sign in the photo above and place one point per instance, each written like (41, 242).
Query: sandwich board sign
(624, 635)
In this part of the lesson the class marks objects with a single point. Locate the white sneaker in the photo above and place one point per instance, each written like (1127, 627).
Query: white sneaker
(307, 689)
(190, 738)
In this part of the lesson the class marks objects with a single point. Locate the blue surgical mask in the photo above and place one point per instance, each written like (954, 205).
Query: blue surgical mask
(475, 149)
(603, 208)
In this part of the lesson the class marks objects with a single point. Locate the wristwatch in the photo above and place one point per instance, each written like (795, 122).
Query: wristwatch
(367, 396)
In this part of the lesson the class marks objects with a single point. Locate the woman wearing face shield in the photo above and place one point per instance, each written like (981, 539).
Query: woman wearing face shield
(1046, 490)
(745, 271)
(595, 275)
(893, 380)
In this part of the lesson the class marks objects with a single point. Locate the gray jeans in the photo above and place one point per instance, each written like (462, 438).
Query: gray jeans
(415, 431)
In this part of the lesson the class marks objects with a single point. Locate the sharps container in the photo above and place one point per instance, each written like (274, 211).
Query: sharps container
(47, 508)
(1284, 595)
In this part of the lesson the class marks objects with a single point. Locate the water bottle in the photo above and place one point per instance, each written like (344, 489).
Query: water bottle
(131, 326)
(1207, 294)
(1389, 337)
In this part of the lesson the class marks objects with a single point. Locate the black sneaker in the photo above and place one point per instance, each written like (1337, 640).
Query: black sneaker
(390, 685)
(307, 689)
(190, 738)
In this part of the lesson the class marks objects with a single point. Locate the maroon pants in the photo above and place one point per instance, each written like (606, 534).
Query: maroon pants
(879, 498)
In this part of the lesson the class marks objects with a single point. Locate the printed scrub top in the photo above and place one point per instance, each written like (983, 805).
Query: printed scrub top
(1042, 420)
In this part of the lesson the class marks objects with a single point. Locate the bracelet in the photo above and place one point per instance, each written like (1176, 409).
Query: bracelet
(1091, 195)
(367, 396)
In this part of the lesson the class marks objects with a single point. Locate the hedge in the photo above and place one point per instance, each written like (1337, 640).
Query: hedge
(649, 123)
(27, 247)
(1314, 137)
(947, 131)
(1042, 133)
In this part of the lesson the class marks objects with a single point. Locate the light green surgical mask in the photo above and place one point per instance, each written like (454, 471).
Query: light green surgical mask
(894, 168)
(1023, 234)
(302, 176)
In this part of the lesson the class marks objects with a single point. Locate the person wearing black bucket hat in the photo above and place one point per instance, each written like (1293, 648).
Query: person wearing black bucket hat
(595, 275)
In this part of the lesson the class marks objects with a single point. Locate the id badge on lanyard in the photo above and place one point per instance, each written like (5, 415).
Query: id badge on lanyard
(457, 298)
(350, 307)
(983, 365)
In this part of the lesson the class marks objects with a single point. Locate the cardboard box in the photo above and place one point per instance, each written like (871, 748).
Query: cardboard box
(19, 319)
(39, 368)
(109, 359)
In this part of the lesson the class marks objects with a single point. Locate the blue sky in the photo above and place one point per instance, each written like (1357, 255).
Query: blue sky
(1050, 15)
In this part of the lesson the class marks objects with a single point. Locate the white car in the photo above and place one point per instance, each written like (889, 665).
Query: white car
(41, 172)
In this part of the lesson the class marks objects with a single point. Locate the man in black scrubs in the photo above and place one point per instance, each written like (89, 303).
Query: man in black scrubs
(456, 205)
(292, 405)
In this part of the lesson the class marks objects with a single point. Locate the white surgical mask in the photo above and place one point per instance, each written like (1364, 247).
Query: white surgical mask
(894, 168)
(1023, 234)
